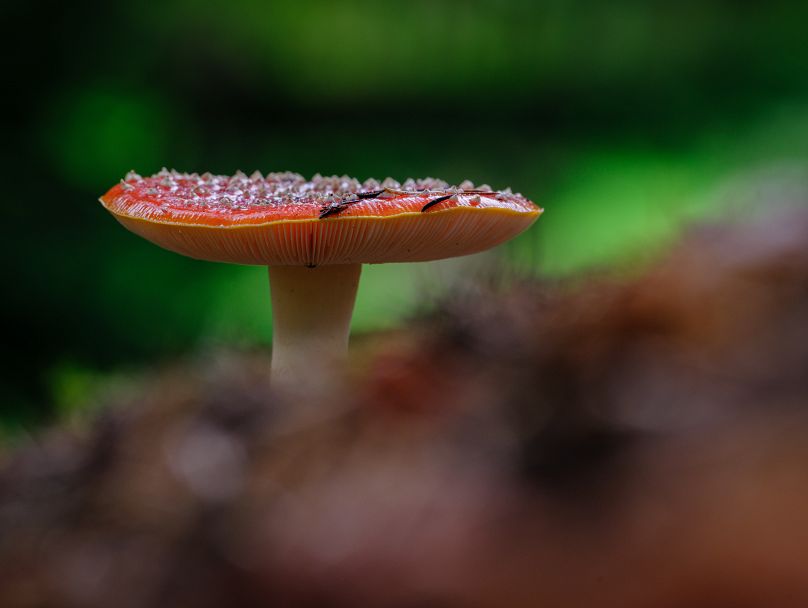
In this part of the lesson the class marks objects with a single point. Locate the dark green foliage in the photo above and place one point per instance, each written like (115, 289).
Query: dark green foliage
(622, 119)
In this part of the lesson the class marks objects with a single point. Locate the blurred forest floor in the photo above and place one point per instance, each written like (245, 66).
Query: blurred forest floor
(626, 441)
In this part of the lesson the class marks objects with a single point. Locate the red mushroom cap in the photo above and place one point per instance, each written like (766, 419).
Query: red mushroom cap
(282, 219)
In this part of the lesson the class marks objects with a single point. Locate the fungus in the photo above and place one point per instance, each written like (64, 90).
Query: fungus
(314, 236)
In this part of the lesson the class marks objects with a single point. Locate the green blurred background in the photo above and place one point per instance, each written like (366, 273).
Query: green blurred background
(624, 119)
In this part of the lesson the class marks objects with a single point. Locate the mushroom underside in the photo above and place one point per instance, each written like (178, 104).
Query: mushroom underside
(349, 240)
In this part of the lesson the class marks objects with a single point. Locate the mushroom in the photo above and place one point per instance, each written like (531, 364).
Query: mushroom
(314, 236)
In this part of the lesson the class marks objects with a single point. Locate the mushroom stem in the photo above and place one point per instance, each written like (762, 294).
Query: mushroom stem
(311, 320)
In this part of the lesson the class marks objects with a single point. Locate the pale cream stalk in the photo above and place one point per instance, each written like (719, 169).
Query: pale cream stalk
(311, 321)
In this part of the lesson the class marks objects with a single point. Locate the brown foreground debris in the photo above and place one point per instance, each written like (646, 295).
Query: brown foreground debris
(637, 442)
